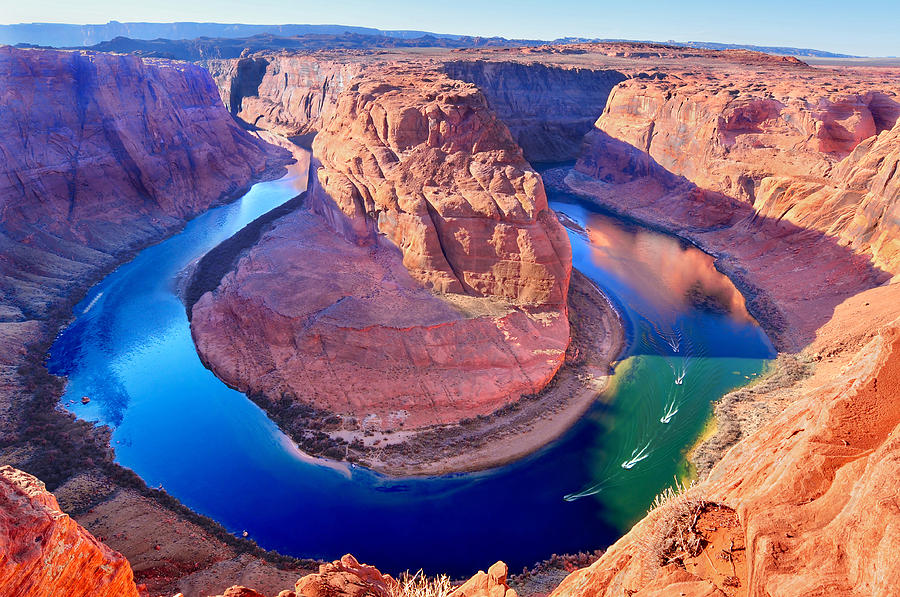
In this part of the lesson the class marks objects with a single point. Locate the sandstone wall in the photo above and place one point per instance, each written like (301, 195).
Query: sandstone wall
(288, 95)
(821, 159)
(548, 109)
(421, 159)
(44, 553)
(103, 153)
(789, 178)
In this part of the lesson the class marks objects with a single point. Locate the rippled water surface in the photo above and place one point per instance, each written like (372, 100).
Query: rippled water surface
(176, 425)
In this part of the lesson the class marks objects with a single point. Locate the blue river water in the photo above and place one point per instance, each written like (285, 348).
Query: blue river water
(176, 425)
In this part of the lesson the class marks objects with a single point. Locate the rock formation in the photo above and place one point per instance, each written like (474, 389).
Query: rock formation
(44, 553)
(421, 159)
(778, 181)
(428, 277)
(348, 578)
(814, 490)
(102, 154)
(547, 108)
(93, 169)
(793, 187)
(288, 95)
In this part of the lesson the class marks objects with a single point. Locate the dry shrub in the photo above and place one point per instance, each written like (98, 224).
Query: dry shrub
(420, 585)
(673, 535)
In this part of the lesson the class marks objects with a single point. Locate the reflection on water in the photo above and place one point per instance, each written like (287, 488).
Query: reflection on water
(669, 275)
(176, 425)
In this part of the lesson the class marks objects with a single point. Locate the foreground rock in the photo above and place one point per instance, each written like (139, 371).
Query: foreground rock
(426, 281)
(813, 489)
(43, 552)
(348, 578)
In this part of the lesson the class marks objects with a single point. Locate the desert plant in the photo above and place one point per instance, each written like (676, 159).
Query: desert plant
(420, 585)
(673, 534)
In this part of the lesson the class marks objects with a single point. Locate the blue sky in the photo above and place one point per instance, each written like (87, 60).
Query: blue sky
(866, 28)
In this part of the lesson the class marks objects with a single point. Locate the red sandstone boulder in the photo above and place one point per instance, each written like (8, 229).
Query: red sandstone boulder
(44, 553)
(346, 578)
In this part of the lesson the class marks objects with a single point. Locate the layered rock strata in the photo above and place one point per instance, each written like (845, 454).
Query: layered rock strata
(547, 108)
(779, 182)
(102, 154)
(794, 189)
(288, 95)
(427, 277)
(44, 553)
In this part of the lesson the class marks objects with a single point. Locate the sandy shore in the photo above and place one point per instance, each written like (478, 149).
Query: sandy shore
(519, 429)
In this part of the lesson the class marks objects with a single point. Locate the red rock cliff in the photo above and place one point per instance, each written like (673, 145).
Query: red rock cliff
(427, 278)
(44, 553)
(802, 152)
(103, 153)
(288, 95)
(547, 108)
(421, 159)
(792, 182)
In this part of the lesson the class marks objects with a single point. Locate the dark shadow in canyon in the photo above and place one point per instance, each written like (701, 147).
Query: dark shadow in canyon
(792, 277)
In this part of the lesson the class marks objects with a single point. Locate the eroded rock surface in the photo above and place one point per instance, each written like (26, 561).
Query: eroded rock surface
(44, 553)
(102, 154)
(425, 283)
(793, 187)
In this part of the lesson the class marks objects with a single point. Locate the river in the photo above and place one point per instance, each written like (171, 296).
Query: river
(690, 340)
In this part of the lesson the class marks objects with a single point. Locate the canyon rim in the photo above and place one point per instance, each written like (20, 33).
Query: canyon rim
(621, 312)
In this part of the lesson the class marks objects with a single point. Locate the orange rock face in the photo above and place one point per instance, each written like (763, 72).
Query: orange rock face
(44, 553)
(794, 188)
(357, 335)
(787, 184)
(428, 284)
(103, 153)
(815, 488)
(348, 578)
(421, 159)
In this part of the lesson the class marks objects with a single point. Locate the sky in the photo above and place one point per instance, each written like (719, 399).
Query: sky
(869, 28)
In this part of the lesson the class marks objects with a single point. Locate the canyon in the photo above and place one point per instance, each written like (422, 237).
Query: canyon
(421, 193)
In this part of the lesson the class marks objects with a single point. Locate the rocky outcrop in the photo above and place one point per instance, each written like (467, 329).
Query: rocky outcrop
(44, 553)
(814, 490)
(778, 181)
(288, 95)
(728, 137)
(101, 154)
(428, 278)
(857, 202)
(794, 190)
(348, 578)
(357, 335)
(548, 109)
(421, 159)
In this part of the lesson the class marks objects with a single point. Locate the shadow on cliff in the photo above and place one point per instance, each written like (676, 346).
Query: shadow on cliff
(792, 277)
